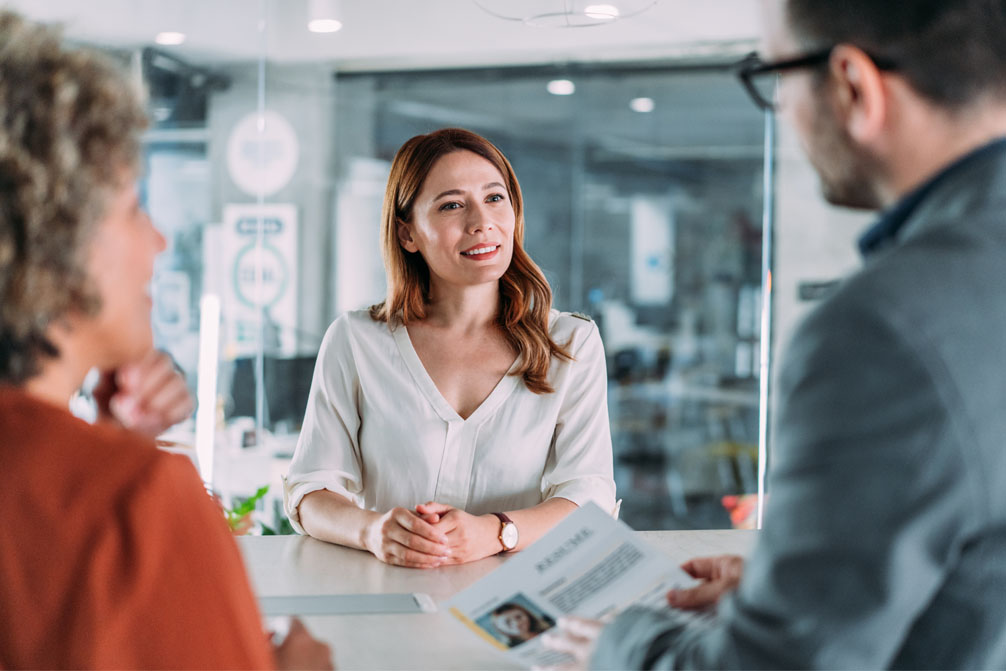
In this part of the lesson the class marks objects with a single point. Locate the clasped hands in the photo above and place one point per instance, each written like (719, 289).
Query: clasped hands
(432, 535)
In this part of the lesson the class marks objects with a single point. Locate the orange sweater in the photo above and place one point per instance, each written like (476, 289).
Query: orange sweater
(111, 553)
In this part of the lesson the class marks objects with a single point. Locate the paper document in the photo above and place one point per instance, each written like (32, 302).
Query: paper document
(589, 565)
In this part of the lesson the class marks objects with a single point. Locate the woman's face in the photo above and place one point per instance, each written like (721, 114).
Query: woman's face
(120, 264)
(513, 622)
(462, 222)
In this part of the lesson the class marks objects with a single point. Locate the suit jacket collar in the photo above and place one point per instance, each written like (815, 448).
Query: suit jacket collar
(956, 187)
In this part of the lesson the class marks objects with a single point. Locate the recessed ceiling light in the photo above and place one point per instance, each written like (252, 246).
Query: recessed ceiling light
(561, 87)
(643, 105)
(324, 25)
(170, 38)
(602, 12)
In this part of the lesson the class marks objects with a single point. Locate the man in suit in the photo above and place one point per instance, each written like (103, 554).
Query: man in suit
(884, 542)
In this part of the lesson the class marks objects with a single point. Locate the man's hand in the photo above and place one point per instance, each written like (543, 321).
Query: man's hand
(575, 636)
(148, 396)
(720, 575)
(469, 537)
(402, 537)
(300, 650)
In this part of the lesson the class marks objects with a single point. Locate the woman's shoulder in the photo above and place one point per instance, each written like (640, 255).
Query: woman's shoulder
(564, 326)
(569, 323)
(355, 324)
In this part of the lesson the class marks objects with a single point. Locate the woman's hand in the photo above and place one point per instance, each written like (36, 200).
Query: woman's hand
(469, 537)
(148, 396)
(300, 650)
(403, 538)
(719, 576)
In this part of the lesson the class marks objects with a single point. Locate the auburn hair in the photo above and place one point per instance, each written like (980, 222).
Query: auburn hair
(525, 296)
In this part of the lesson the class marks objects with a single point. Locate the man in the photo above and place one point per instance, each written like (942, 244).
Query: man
(884, 544)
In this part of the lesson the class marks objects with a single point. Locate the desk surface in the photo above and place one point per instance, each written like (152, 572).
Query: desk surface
(299, 565)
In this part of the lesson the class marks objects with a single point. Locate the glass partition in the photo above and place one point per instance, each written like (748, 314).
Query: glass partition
(643, 185)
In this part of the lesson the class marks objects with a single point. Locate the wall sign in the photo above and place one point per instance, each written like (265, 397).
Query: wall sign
(260, 278)
(262, 153)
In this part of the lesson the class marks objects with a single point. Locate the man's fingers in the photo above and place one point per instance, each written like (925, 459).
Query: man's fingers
(581, 626)
(699, 597)
(702, 568)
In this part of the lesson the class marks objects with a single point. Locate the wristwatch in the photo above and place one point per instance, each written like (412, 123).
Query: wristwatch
(508, 533)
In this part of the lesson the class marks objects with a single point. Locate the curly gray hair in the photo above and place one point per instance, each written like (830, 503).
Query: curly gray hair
(70, 128)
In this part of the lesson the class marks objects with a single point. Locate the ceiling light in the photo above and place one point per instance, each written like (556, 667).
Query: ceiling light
(324, 25)
(564, 13)
(561, 87)
(170, 38)
(323, 16)
(642, 105)
(601, 12)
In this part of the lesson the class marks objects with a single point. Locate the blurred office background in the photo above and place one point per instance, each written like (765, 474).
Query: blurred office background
(642, 163)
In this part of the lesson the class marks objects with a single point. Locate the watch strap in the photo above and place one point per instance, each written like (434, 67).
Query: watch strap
(504, 521)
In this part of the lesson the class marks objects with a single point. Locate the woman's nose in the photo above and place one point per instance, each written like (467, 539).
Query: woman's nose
(478, 220)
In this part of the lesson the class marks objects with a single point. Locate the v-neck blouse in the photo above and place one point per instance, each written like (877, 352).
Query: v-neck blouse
(379, 432)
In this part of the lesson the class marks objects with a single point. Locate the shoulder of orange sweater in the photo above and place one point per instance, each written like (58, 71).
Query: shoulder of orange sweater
(190, 584)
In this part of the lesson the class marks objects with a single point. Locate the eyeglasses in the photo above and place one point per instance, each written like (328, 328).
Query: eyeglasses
(761, 79)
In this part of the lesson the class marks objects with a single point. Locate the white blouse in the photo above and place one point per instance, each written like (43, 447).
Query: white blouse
(378, 431)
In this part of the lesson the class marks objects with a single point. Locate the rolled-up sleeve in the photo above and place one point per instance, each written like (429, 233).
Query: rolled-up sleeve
(579, 466)
(328, 450)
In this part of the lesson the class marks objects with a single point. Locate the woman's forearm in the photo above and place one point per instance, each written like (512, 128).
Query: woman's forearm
(333, 518)
(533, 523)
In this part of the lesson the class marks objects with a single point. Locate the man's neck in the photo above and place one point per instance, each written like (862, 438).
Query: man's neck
(932, 140)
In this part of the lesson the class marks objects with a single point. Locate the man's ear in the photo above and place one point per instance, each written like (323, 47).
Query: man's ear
(405, 237)
(861, 95)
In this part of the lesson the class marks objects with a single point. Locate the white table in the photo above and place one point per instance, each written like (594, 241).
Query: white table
(299, 565)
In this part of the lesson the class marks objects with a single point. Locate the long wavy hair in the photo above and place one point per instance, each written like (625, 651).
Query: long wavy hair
(525, 296)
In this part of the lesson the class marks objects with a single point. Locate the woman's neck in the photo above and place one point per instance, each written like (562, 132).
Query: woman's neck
(60, 377)
(56, 384)
(466, 308)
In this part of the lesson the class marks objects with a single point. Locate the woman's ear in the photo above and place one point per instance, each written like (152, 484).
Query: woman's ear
(405, 237)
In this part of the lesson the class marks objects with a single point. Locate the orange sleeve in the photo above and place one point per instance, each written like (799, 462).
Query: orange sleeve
(184, 599)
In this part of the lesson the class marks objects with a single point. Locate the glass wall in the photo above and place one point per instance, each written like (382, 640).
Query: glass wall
(648, 221)
(643, 193)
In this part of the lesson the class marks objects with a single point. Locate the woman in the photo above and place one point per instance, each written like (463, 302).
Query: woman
(111, 553)
(515, 624)
(461, 417)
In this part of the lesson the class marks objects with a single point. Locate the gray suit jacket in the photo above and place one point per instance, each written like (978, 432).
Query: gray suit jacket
(884, 543)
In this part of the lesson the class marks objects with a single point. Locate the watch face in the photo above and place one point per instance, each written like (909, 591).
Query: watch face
(509, 536)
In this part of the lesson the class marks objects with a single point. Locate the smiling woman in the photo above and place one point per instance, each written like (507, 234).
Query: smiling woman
(462, 416)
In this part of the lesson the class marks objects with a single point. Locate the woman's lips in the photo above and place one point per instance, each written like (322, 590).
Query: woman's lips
(481, 253)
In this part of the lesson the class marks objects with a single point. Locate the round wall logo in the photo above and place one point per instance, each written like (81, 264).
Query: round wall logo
(274, 275)
(262, 153)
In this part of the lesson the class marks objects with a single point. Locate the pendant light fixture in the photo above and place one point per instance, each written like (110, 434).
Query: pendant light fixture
(564, 13)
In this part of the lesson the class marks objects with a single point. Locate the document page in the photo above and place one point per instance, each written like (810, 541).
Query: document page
(590, 565)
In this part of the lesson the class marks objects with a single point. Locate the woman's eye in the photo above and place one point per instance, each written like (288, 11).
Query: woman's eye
(495, 198)
(450, 206)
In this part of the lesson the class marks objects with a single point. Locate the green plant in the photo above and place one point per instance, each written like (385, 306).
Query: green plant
(237, 515)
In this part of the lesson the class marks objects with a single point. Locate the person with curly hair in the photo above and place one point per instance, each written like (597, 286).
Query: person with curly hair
(112, 555)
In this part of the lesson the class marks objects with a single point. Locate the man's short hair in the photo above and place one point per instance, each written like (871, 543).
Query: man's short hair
(952, 52)
(70, 129)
